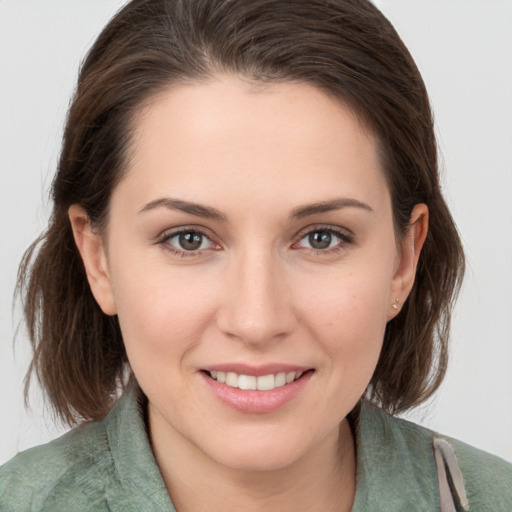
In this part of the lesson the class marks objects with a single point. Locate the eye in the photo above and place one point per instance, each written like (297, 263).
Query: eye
(323, 239)
(186, 241)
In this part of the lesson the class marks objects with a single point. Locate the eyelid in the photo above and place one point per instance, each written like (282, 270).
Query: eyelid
(344, 235)
(167, 234)
(341, 231)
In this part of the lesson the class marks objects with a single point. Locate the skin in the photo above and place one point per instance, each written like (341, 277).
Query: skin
(256, 291)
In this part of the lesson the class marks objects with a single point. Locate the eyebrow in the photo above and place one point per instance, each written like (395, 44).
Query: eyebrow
(185, 206)
(208, 212)
(328, 206)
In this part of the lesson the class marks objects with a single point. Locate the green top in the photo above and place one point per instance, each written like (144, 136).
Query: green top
(109, 465)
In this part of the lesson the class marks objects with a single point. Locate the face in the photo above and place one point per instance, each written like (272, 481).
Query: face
(251, 245)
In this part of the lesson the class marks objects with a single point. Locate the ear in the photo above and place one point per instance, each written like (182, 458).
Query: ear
(409, 253)
(92, 250)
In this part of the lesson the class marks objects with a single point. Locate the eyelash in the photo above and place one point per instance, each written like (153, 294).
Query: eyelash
(164, 239)
(342, 237)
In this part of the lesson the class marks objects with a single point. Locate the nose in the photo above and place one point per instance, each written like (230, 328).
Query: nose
(257, 308)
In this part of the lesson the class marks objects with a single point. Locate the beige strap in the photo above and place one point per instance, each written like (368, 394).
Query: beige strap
(448, 466)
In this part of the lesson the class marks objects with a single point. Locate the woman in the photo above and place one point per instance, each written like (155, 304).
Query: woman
(248, 232)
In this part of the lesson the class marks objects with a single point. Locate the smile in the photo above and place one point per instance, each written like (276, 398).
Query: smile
(251, 382)
(256, 390)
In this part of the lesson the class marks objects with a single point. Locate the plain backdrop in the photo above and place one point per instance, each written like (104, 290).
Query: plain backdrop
(462, 47)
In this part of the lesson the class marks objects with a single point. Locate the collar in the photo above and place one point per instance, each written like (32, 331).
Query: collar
(395, 463)
(133, 458)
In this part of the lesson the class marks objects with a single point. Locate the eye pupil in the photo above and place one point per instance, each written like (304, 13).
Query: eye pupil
(190, 241)
(320, 239)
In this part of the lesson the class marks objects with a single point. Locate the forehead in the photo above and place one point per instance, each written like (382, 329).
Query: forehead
(207, 138)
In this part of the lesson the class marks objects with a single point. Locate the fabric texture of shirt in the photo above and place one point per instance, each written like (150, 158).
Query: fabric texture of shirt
(109, 466)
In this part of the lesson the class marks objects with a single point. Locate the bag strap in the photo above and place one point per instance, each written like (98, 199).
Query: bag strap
(452, 494)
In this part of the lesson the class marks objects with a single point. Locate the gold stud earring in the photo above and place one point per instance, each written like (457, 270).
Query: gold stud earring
(396, 304)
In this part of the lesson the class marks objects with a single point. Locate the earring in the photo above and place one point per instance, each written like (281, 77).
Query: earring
(396, 304)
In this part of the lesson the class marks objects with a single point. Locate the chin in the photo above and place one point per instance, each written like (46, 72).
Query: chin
(262, 453)
(258, 461)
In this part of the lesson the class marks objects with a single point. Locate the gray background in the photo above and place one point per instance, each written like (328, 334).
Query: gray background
(463, 48)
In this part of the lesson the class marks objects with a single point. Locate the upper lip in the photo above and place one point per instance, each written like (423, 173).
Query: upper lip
(256, 370)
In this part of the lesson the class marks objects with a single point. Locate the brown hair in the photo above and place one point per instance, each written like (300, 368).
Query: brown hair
(344, 47)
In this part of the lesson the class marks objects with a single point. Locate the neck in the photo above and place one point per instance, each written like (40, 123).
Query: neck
(322, 480)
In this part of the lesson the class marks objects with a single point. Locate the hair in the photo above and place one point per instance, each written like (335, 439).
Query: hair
(345, 48)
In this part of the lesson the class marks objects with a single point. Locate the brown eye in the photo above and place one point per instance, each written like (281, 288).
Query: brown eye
(190, 241)
(187, 241)
(324, 240)
(320, 239)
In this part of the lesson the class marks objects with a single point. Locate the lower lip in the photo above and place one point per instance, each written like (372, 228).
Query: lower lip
(257, 402)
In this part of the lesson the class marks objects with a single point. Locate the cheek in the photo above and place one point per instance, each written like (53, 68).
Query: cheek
(348, 301)
(162, 312)
(347, 313)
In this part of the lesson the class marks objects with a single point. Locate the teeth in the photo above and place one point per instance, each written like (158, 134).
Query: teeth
(265, 382)
(232, 379)
(246, 381)
(281, 379)
(250, 382)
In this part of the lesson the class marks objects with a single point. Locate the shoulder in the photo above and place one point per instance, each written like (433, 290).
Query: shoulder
(487, 478)
(102, 466)
(73, 465)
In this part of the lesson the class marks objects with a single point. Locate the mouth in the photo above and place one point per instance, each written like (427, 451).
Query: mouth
(256, 383)
(256, 389)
